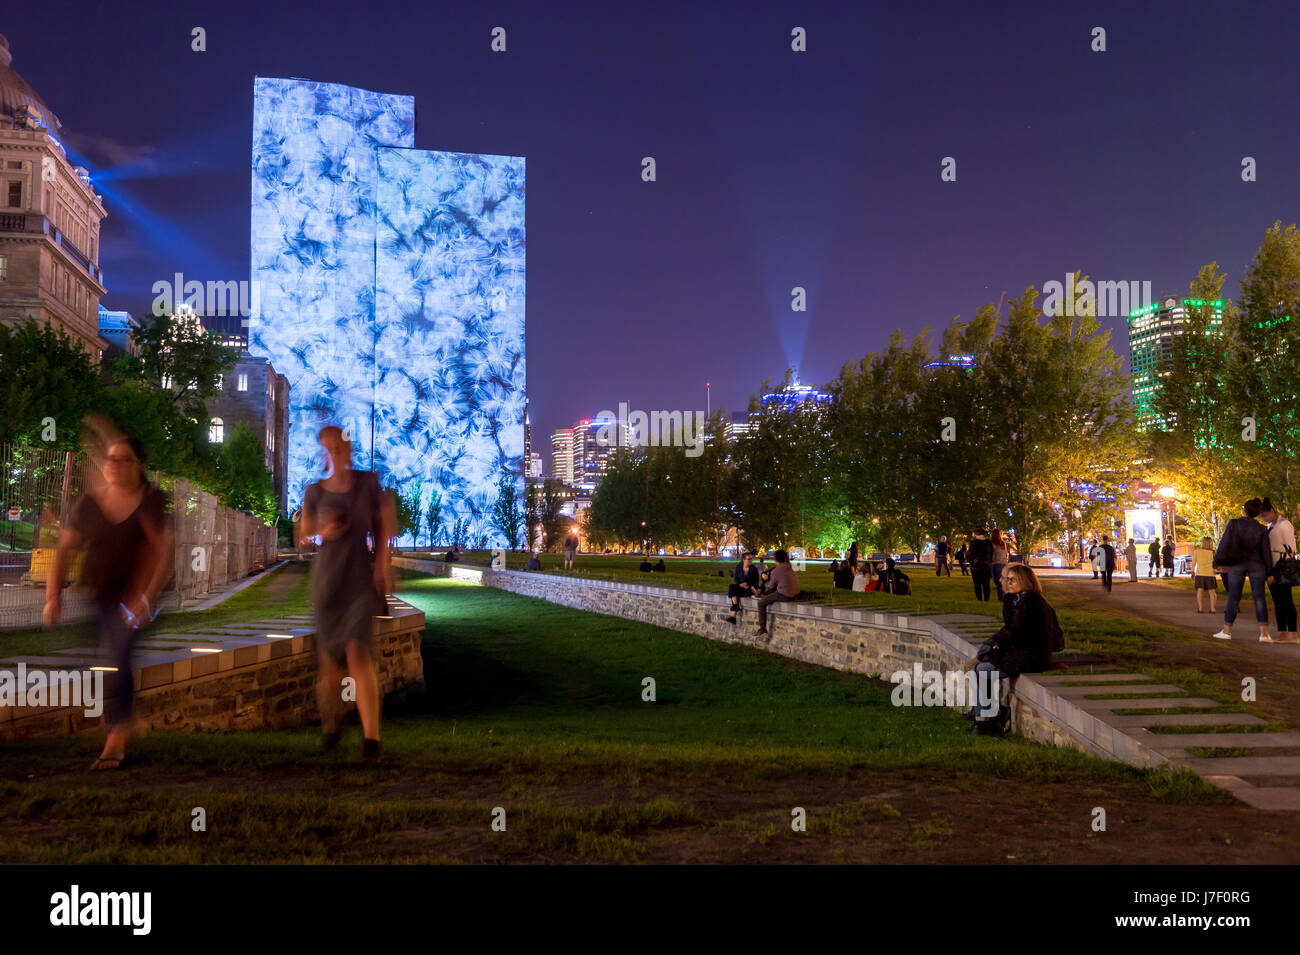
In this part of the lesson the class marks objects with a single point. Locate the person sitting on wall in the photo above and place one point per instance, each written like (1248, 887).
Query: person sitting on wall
(745, 583)
(534, 562)
(864, 578)
(1023, 645)
(646, 566)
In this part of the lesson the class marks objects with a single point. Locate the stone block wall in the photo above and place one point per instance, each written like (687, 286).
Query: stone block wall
(266, 685)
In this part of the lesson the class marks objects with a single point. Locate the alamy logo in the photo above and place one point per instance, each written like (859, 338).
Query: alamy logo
(134, 909)
(1094, 299)
(677, 429)
(84, 688)
(213, 300)
(954, 688)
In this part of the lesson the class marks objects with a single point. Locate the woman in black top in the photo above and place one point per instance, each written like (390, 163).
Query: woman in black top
(745, 582)
(1244, 552)
(1023, 645)
(124, 527)
(348, 584)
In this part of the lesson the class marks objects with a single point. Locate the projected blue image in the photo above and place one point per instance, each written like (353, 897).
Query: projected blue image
(392, 292)
(449, 316)
(313, 249)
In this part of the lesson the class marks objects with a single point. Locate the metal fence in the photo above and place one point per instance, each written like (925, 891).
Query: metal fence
(214, 545)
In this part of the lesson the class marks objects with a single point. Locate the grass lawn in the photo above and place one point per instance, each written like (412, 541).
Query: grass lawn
(537, 709)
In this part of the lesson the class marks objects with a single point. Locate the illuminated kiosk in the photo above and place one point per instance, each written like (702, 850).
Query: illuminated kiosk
(392, 295)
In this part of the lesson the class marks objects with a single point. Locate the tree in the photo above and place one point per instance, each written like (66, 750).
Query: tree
(180, 358)
(1265, 354)
(549, 515)
(43, 375)
(435, 516)
(507, 512)
(413, 504)
(242, 480)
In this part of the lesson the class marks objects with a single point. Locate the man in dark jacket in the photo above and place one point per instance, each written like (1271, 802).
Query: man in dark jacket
(744, 583)
(1153, 558)
(1244, 553)
(1168, 554)
(961, 559)
(1107, 561)
(980, 555)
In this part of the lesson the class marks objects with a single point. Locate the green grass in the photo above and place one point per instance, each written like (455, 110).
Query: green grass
(538, 709)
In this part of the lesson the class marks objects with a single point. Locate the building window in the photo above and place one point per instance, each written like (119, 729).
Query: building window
(15, 194)
(4, 268)
(216, 431)
(243, 381)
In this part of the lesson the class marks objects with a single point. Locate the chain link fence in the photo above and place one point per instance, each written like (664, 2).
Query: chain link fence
(214, 545)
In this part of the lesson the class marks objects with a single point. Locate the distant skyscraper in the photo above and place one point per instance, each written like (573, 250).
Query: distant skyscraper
(1151, 332)
(562, 455)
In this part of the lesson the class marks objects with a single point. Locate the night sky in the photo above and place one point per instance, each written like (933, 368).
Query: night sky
(775, 168)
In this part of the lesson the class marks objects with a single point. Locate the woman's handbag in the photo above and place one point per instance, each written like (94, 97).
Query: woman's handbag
(1287, 570)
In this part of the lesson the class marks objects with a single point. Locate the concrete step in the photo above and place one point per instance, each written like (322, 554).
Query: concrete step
(1055, 679)
(1184, 719)
(1161, 742)
(1072, 692)
(1157, 704)
(1246, 766)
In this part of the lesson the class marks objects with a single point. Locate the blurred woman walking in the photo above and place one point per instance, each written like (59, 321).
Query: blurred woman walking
(122, 524)
(349, 585)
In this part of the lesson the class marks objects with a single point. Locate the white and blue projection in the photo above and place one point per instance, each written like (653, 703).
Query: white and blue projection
(392, 297)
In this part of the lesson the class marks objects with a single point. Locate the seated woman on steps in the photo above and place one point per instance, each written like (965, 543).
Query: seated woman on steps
(1023, 645)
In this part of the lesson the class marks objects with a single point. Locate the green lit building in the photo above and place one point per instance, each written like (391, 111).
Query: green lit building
(1151, 332)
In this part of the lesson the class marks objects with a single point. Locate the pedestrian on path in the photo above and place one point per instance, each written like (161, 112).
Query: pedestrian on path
(1167, 553)
(1281, 540)
(121, 522)
(348, 584)
(1107, 561)
(941, 558)
(961, 559)
(1153, 559)
(1001, 557)
(1094, 558)
(1131, 558)
(980, 554)
(1203, 575)
(1244, 554)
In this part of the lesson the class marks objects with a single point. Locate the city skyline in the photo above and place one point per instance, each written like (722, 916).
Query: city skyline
(1125, 164)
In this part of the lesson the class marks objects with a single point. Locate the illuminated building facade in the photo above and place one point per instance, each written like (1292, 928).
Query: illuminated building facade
(392, 294)
(1151, 332)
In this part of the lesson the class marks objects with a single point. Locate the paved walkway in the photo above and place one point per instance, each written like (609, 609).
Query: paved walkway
(1165, 604)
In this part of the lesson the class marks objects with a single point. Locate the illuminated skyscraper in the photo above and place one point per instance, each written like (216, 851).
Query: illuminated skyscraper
(1151, 332)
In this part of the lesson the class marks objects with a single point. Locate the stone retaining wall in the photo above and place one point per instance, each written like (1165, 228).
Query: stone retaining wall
(265, 685)
(860, 641)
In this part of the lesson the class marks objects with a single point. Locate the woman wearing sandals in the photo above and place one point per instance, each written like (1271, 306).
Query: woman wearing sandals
(122, 523)
(348, 585)
(1281, 540)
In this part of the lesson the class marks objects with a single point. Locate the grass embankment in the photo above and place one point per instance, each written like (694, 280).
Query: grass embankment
(538, 709)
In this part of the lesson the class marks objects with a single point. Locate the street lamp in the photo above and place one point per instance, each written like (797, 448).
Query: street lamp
(1169, 494)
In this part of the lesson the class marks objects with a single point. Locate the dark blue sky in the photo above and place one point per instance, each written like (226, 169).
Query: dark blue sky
(775, 169)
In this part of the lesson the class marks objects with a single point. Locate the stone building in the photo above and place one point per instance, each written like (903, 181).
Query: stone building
(49, 220)
(252, 393)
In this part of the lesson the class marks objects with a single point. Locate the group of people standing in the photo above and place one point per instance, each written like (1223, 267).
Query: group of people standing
(1260, 547)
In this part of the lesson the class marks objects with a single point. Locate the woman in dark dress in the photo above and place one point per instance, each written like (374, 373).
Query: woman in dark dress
(349, 585)
(123, 525)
